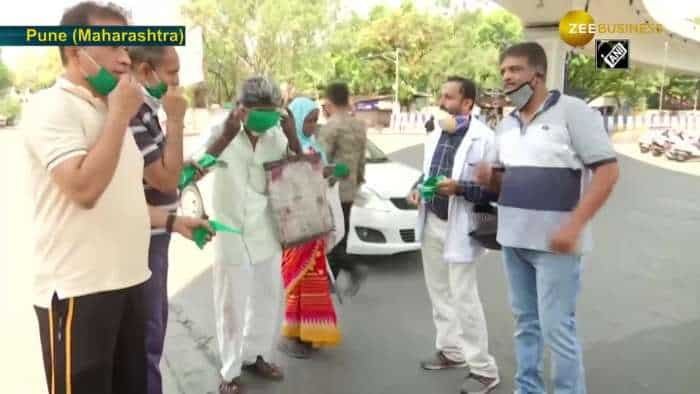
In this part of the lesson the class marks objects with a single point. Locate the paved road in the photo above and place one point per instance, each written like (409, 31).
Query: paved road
(639, 312)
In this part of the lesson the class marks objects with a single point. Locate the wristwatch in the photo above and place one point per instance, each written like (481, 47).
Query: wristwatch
(170, 222)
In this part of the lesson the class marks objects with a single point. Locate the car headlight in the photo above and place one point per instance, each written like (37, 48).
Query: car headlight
(368, 198)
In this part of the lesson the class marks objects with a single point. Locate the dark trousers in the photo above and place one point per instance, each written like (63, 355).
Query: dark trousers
(338, 258)
(95, 344)
(156, 299)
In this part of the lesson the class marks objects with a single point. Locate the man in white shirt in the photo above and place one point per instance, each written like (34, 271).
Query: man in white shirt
(247, 269)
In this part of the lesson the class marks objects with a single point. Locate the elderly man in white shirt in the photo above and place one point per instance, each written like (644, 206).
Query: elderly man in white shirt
(247, 269)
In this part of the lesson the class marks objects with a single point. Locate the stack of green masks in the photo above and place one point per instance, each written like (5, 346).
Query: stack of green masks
(429, 188)
(188, 173)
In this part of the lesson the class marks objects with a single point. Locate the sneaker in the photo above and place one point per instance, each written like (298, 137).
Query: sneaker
(441, 362)
(477, 384)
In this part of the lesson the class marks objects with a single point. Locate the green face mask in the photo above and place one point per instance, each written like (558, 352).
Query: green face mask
(103, 82)
(158, 90)
(261, 121)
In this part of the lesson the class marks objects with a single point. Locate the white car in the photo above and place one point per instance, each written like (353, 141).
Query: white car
(381, 221)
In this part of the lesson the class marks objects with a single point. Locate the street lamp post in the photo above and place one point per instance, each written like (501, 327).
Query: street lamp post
(663, 77)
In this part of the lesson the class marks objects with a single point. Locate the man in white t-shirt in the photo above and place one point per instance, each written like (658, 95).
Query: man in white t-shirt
(91, 220)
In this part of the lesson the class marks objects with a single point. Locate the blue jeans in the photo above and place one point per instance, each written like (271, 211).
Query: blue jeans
(543, 292)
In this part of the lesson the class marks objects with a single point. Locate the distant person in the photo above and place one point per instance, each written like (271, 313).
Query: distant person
(344, 140)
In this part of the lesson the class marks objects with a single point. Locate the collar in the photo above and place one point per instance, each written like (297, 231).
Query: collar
(81, 92)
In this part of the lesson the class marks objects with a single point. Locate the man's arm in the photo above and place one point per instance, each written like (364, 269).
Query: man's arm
(232, 127)
(84, 178)
(164, 173)
(363, 160)
(604, 179)
(327, 137)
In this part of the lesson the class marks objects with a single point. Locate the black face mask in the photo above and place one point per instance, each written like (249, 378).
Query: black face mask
(521, 95)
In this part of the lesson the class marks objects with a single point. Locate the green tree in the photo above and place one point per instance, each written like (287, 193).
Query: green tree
(10, 108)
(5, 77)
(37, 69)
(431, 48)
(632, 86)
(280, 38)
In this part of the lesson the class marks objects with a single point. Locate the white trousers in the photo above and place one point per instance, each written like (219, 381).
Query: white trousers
(457, 311)
(248, 305)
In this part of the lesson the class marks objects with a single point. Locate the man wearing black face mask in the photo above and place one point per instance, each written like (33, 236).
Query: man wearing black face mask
(555, 167)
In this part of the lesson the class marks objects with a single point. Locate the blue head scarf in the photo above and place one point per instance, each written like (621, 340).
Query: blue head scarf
(301, 107)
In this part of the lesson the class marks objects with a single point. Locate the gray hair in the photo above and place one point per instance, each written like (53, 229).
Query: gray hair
(260, 91)
(152, 55)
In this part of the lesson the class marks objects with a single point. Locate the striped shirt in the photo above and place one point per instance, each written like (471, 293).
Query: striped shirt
(547, 166)
(150, 139)
(442, 163)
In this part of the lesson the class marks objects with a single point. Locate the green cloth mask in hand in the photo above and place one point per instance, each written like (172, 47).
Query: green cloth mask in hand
(429, 188)
(341, 170)
(199, 236)
(188, 173)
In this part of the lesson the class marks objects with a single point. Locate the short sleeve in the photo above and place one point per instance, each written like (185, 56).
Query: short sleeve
(147, 134)
(589, 139)
(52, 132)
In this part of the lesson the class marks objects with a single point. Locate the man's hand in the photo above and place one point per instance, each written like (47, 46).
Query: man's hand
(290, 131)
(232, 125)
(185, 226)
(565, 240)
(201, 172)
(483, 174)
(413, 198)
(448, 187)
(174, 104)
(126, 98)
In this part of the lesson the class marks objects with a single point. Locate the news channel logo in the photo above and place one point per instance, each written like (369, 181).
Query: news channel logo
(577, 28)
(612, 54)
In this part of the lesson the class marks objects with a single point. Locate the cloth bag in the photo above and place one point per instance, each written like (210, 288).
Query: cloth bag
(298, 198)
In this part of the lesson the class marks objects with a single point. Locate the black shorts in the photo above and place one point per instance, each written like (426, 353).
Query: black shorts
(95, 344)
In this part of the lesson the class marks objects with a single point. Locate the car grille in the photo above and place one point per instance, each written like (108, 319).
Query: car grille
(402, 204)
(408, 236)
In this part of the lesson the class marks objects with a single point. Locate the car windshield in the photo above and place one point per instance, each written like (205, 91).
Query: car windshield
(374, 154)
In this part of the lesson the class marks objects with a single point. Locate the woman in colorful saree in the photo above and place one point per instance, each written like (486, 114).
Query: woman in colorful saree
(310, 321)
